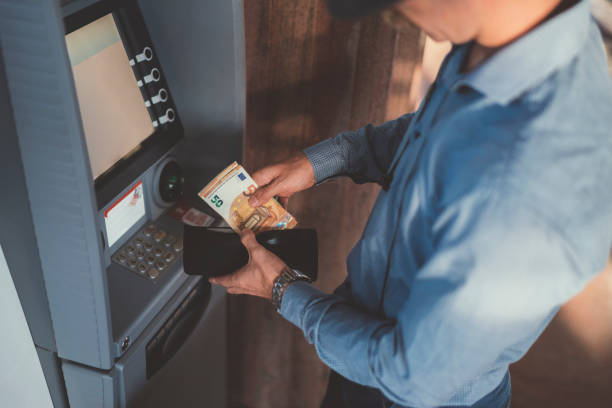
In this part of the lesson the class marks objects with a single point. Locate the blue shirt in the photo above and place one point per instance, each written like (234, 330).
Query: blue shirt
(499, 211)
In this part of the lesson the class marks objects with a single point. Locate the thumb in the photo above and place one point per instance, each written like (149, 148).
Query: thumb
(262, 195)
(265, 176)
(247, 237)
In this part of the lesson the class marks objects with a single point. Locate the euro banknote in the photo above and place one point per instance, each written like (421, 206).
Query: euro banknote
(228, 194)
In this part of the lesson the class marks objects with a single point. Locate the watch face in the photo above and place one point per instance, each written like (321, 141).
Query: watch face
(299, 275)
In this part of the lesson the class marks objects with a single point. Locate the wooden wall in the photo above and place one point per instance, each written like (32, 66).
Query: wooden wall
(308, 78)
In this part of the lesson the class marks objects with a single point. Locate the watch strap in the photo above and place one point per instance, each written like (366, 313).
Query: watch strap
(286, 277)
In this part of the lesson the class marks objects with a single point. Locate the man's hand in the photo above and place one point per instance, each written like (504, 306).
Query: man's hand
(256, 278)
(283, 180)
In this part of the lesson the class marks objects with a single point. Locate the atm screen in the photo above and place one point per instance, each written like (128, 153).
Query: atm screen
(115, 119)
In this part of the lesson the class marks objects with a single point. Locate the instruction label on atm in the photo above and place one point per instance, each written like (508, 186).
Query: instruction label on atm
(124, 213)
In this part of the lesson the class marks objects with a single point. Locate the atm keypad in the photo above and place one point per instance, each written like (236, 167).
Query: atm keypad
(159, 235)
(150, 252)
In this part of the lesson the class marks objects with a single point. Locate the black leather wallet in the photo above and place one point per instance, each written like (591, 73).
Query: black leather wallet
(218, 251)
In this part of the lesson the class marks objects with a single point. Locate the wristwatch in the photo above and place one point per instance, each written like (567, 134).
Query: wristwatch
(281, 283)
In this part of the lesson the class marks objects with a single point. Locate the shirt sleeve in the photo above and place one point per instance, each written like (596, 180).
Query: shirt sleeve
(490, 287)
(363, 155)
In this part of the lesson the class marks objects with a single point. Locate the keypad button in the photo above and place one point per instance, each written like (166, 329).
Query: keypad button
(121, 258)
(131, 263)
(170, 240)
(130, 249)
(158, 252)
(161, 265)
(138, 241)
(168, 257)
(141, 268)
(159, 235)
(148, 246)
(153, 273)
(150, 259)
(140, 254)
(178, 245)
(150, 230)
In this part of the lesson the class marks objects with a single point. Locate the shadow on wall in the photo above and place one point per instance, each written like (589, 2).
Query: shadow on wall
(309, 77)
(315, 101)
(571, 363)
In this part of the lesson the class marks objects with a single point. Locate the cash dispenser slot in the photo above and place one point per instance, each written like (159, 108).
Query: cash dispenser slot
(177, 328)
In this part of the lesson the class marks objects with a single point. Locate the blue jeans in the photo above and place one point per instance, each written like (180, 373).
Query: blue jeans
(343, 393)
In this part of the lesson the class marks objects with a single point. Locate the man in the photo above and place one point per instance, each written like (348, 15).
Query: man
(496, 208)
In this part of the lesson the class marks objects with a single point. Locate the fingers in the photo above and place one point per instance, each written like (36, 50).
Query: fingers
(265, 176)
(220, 280)
(247, 237)
(232, 282)
(262, 195)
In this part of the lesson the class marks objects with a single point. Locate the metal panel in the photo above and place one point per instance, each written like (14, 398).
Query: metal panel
(17, 231)
(200, 45)
(89, 388)
(58, 178)
(53, 375)
(194, 377)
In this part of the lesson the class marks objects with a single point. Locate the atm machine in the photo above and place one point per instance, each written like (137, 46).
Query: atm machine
(112, 111)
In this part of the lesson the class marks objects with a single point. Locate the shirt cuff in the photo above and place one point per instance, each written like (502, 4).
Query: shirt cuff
(295, 299)
(327, 159)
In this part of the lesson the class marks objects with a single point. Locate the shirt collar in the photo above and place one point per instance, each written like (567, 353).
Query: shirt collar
(533, 57)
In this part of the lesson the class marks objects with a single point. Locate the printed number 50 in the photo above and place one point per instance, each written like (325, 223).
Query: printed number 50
(217, 201)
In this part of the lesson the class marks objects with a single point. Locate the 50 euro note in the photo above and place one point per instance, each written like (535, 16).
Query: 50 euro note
(228, 194)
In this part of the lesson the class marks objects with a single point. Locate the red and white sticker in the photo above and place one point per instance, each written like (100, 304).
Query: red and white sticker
(124, 213)
(190, 216)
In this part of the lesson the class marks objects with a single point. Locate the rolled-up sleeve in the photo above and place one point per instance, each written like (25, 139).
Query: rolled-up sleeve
(494, 279)
(363, 155)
